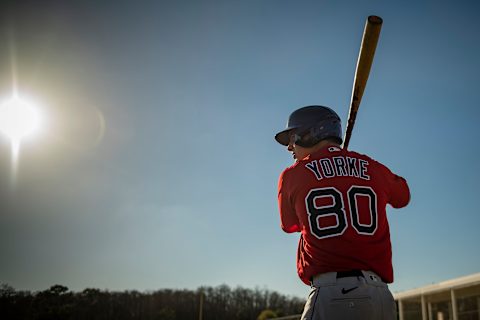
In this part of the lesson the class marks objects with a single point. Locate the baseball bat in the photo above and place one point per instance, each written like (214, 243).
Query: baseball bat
(370, 37)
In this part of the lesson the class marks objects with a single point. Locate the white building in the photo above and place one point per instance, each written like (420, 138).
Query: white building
(456, 299)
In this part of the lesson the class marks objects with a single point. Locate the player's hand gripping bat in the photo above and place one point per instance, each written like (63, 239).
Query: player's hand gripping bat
(364, 63)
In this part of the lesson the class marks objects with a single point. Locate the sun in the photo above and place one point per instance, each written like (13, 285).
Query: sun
(19, 118)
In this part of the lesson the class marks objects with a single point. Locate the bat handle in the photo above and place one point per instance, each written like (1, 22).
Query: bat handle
(350, 123)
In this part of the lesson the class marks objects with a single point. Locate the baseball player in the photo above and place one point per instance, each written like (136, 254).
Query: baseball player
(337, 200)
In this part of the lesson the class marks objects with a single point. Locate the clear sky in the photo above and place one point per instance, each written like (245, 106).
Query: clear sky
(157, 168)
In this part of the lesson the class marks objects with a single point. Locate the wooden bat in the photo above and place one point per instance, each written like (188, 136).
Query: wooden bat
(370, 37)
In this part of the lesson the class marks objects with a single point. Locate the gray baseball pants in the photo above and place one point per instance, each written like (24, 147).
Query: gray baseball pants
(356, 297)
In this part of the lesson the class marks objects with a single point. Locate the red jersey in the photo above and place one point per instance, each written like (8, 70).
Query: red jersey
(337, 199)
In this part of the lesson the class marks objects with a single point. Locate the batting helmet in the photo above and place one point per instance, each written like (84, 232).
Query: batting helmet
(311, 124)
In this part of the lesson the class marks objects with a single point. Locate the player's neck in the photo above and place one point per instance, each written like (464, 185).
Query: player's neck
(302, 152)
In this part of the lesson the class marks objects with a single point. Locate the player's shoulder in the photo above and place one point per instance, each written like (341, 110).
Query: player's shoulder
(368, 158)
(287, 176)
(295, 172)
(360, 155)
(288, 170)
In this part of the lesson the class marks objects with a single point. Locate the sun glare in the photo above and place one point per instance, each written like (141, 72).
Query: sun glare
(19, 118)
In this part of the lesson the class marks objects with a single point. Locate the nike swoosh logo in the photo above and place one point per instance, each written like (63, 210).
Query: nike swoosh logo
(345, 291)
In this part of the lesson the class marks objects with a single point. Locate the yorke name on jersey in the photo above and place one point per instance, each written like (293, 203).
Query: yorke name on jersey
(339, 166)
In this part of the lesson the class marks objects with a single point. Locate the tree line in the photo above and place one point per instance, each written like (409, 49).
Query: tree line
(205, 303)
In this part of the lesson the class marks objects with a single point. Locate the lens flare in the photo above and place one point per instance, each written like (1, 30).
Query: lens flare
(19, 118)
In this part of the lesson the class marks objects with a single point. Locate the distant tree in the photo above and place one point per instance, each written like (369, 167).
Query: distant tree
(58, 290)
(218, 303)
(267, 314)
(92, 304)
(8, 305)
(6, 291)
(165, 314)
(54, 303)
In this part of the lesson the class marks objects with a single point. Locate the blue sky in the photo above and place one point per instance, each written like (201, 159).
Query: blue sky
(157, 167)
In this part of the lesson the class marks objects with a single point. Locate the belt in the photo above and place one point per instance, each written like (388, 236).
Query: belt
(330, 278)
(351, 273)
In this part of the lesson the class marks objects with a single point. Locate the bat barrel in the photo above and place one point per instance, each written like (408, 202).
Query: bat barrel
(375, 20)
(368, 46)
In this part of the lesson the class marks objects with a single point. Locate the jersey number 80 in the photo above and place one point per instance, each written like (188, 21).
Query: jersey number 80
(337, 209)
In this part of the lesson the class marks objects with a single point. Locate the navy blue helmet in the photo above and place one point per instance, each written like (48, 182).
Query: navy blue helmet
(310, 125)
